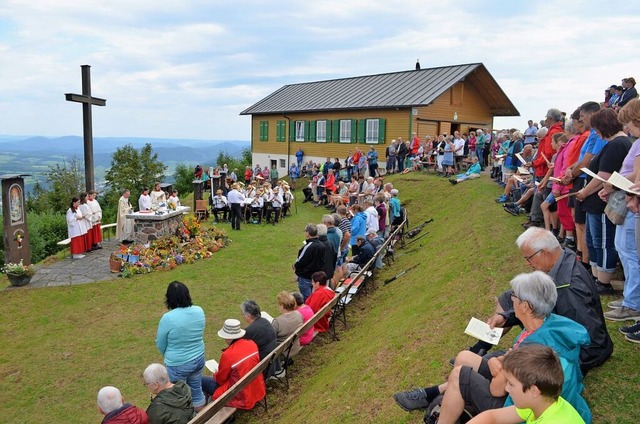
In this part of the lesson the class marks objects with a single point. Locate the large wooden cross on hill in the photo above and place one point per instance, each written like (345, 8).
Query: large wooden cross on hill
(86, 100)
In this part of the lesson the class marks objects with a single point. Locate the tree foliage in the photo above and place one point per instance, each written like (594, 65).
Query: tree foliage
(184, 179)
(65, 181)
(235, 163)
(132, 169)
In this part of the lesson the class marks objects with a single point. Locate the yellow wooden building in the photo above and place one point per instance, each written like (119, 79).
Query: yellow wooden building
(330, 118)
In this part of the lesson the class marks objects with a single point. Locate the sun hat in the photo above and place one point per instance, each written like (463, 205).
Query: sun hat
(231, 330)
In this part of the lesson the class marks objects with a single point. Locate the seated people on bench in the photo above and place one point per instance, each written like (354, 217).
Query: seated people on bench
(259, 329)
(321, 296)
(171, 403)
(288, 321)
(477, 383)
(365, 253)
(237, 360)
(534, 382)
(306, 313)
(111, 405)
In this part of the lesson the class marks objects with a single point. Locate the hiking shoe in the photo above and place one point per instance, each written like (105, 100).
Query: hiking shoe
(604, 288)
(502, 199)
(453, 181)
(630, 329)
(622, 314)
(412, 400)
(508, 205)
(615, 304)
(633, 338)
(514, 210)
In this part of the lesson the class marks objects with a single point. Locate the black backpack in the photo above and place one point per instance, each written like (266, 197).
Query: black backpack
(433, 413)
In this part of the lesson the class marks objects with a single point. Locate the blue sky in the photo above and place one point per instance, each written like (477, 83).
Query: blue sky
(187, 68)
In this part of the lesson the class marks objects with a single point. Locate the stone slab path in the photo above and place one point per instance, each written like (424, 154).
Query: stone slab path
(90, 269)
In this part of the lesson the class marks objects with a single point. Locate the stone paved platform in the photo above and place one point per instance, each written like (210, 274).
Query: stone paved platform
(90, 269)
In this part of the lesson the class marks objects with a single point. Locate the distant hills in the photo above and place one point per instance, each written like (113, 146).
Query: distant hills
(35, 154)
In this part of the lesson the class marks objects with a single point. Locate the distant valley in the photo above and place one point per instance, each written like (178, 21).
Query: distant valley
(35, 154)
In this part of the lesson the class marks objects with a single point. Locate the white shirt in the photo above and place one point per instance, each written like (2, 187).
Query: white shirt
(220, 201)
(144, 203)
(458, 143)
(372, 219)
(235, 196)
(96, 210)
(174, 200)
(73, 223)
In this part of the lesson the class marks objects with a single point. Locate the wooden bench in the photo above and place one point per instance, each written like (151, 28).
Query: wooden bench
(218, 412)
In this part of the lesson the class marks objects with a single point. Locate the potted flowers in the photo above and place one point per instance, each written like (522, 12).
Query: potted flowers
(18, 274)
(115, 261)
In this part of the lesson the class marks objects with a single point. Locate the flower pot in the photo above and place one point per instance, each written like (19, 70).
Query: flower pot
(18, 280)
(115, 265)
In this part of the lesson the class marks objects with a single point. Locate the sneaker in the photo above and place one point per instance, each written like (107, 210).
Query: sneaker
(453, 181)
(502, 199)
(615, 304)
(412, 400)
(630, 329)
(78, 256)
(622, 314)
(633, 338)
(515, 210)
(508, 205)
(604, 288)
(570, 244)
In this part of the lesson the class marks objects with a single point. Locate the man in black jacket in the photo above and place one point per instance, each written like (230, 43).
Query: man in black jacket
(310, 259)
(578, 298)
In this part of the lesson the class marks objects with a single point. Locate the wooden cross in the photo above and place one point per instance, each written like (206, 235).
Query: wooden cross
(86, 100)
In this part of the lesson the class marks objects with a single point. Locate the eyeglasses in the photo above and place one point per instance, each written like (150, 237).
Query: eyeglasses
(528, 258)
(147, 384)
(514, 296)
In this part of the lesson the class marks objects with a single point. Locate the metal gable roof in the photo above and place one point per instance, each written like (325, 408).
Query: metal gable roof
(398, 89)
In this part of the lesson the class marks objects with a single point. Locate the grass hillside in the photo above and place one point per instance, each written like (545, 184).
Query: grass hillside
(60, 345)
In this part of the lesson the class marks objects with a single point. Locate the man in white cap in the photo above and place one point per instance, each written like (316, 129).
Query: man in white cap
(238, 359)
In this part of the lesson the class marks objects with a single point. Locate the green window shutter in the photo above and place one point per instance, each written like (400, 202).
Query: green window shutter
(335, 131)
(261, 131)
(280, 126)
(362, 130)
(292, 130)
(312, 130)
(265, 130)
(381, 130)
(307, 125)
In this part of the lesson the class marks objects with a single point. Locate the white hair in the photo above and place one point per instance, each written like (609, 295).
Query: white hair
(538, 239)
(538, 289)
(542, 132)
(109, 399)
(554, 114)
(322, 230)
(328, 220)
(156, 373)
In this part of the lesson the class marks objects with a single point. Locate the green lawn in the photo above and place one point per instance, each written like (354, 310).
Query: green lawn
(60, 345)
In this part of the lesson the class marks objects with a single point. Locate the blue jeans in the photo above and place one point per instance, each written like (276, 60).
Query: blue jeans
(626, 245)
(209, 385)
(480, 154)
(601, 242)
(304, 284)
(191, 373)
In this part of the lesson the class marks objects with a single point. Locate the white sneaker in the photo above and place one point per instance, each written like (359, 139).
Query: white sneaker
(78, 256)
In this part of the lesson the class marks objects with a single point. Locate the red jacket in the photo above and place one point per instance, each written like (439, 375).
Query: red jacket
(330, 183)
(316, 301)
(539, 164)
(236, 361)
(415, 145)
(248, 174)
(126, 414)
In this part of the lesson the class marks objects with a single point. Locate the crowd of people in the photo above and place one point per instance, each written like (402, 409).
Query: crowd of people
(333, 249)
(577, 177)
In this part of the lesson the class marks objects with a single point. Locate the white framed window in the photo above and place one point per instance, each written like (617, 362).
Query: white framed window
(321, 131)
(345, 131)
(299, 130)
(283, 164)
(372, 131)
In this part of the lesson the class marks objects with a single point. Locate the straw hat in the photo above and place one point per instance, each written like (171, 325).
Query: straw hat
(231, 330)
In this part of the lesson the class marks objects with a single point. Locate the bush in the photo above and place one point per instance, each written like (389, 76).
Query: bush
(45, 231)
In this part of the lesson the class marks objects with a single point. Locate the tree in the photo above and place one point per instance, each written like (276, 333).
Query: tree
(184, 179)
(65, 181)
(132, 169)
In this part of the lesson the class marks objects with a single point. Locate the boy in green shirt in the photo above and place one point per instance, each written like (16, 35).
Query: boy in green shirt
(534, 382)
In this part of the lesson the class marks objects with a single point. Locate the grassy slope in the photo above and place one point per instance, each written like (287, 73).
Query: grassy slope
(60, 345)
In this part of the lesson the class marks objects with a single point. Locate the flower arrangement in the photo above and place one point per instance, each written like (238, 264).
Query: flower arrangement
(18, 269)
(169, 252)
